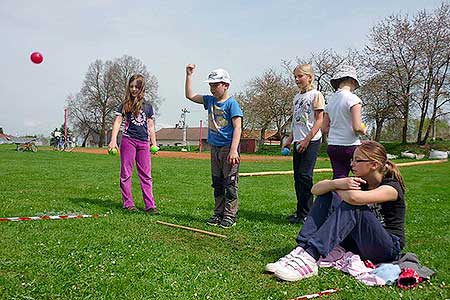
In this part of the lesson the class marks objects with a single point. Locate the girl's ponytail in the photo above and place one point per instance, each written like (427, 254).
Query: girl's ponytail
(392, 171)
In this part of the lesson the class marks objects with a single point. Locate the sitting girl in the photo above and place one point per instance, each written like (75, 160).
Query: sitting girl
(364, 214)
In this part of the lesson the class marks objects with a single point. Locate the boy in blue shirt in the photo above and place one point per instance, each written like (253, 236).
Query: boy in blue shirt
(224, 133)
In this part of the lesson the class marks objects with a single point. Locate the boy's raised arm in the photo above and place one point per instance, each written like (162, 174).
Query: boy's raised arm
(188, 86)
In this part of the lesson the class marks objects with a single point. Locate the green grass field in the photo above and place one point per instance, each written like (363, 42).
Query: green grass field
(129, 256)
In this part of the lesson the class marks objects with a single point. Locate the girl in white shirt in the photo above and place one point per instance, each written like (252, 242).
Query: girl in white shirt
(342, 121)
(306, 134)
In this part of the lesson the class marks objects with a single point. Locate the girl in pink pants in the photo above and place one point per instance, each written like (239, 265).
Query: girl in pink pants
(135, 147)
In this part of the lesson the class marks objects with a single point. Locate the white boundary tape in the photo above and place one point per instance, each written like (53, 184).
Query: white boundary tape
(60, 217)
(319, 294)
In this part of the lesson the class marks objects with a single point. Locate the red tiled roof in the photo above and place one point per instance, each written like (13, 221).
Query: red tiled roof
(192, 133)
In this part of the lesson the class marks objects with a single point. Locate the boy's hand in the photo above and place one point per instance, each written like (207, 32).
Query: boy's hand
(190, 69)
(233, 157)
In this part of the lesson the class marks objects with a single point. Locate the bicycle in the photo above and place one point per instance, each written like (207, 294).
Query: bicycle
(27, 146)
(62, 145)
(68, 145)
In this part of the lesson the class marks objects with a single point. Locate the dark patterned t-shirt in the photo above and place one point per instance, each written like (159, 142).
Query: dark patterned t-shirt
(136, 127)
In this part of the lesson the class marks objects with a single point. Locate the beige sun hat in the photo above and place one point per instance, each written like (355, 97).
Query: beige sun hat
(344, 71)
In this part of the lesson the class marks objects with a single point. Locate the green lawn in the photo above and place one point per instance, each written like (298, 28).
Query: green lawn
(129, 256)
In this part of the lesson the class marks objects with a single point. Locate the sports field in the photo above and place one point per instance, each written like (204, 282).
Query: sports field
(128, 256)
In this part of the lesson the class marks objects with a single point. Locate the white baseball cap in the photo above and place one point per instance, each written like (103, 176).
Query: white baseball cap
(218, 75)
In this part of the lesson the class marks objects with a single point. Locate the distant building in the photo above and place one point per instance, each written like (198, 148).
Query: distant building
(270, 136)
(92, 139)
(249, 141)
(174, 136)
(10, 139)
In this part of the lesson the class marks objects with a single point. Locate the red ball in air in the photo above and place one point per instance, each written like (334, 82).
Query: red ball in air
(36, 57)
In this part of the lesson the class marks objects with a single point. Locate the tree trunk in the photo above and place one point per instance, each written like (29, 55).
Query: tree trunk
(433, 119)
(419, 131)
(423, 116)
(85, 138)
(433, 131)
(379, 125)
(405, 122)
(427, 133)
(101, 139)
(262, 136)
(405, 131)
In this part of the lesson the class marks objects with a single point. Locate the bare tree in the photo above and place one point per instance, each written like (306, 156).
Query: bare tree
(103, 89)
(126, 66)
(379, 97)
(392, 52)
(267, 102)
(97, 95)
(252, 120)
(80, 117)
(433, 40)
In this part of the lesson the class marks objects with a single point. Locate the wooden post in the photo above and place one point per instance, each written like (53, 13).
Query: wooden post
(200, 145)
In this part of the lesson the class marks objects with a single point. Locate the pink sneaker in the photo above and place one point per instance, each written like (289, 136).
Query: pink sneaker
(298, 267)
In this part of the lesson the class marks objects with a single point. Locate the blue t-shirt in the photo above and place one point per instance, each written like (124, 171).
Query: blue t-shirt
(220, 115)
(136, 127)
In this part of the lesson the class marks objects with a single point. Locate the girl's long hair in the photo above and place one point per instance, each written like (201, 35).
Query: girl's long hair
(134, 104)
(307, 69)
(376, 152)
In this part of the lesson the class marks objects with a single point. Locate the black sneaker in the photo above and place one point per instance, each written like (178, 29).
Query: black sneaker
(214, 220)
(227, 223)
(294, 219)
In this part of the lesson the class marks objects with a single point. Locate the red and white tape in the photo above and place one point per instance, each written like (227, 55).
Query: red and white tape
(319, 294)
(61, 217)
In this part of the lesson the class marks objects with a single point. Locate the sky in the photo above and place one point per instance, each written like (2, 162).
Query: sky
(243, 37)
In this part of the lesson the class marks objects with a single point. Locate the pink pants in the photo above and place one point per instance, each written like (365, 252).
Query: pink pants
(136, 150)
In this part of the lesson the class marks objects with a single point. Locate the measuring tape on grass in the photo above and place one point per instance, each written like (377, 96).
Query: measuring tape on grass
(60, 217)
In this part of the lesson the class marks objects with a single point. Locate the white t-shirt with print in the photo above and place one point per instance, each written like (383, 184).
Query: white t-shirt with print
(303, 115)
(341, 128)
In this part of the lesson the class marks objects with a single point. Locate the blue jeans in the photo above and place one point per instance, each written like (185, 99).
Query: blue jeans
(303, 165)
(333, 221)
